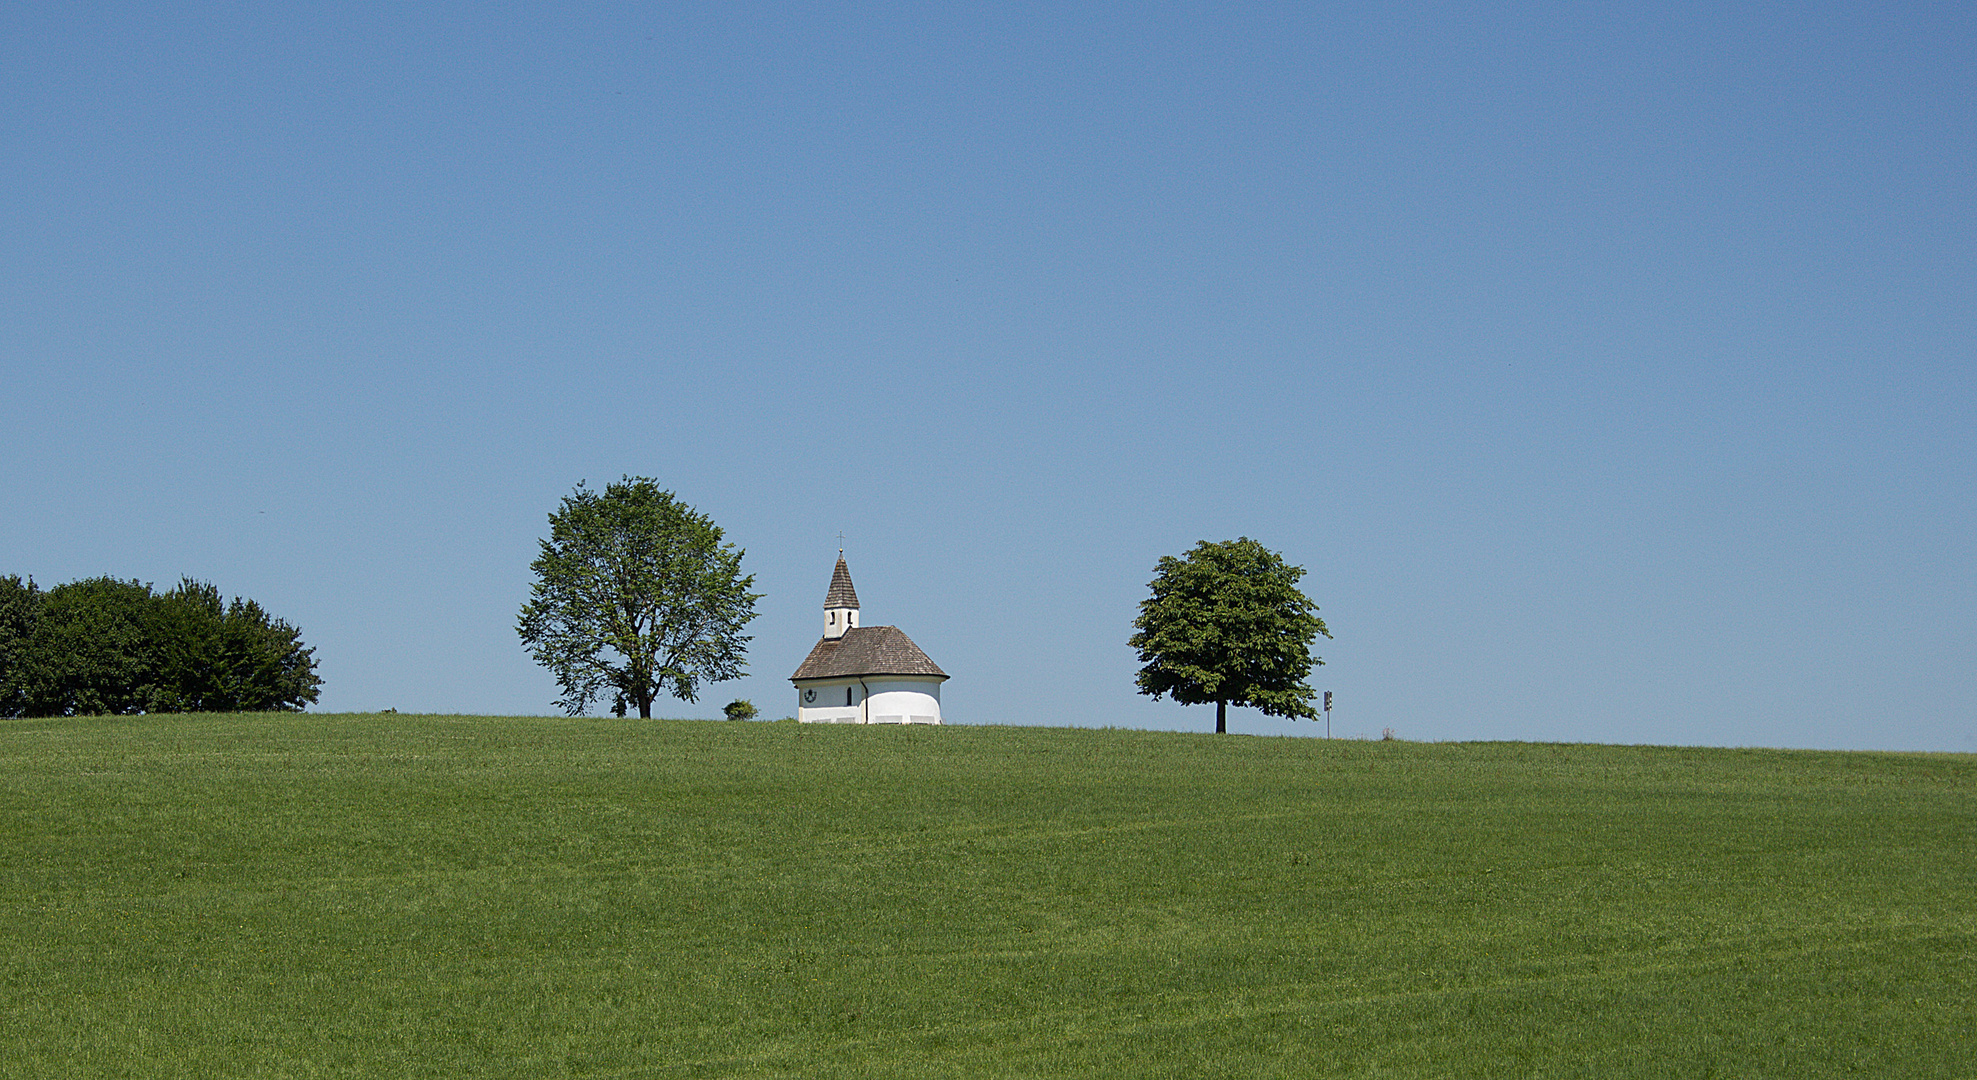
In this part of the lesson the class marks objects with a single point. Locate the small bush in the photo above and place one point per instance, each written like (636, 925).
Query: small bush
(741, 710)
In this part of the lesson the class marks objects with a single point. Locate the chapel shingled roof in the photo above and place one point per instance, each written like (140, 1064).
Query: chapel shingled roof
(866, 650)
(841, 594)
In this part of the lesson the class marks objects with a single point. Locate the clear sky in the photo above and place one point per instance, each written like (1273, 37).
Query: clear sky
(1609, 367)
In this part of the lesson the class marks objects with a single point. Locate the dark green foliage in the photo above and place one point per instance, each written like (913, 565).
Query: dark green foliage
(635, 593)
(90, 653)
(417, 896)
(20, 611)
(741, 710)
(105, 646)
(1227, 625)
(231, 658)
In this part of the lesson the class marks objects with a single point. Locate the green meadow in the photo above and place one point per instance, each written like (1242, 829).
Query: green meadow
(446, 896)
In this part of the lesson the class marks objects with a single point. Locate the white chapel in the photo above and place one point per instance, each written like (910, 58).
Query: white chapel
(864, 674)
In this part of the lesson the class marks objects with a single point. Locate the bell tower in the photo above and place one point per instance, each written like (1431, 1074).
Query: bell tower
(841, 603)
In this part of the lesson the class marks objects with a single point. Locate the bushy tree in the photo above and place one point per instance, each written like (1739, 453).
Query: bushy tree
(89, 655)
(20, 611)
(106, 646)
(635, 594)
(231, 657)
(1227, 624)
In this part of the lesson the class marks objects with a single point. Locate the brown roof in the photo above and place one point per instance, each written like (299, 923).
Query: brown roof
(866, 650)
(841, 594)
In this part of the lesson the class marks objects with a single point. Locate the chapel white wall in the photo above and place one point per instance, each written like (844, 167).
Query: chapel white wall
(903, 701)
(892, 701)
(829, 708)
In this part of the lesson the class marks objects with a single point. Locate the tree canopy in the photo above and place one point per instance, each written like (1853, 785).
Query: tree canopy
(1226, 624)
(635, 593)
(106, 646)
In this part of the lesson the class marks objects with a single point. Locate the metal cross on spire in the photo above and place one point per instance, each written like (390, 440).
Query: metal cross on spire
(840, 544)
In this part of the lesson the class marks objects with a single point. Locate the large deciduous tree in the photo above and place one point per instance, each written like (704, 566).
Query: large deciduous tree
(635, 593)
(1226, 624)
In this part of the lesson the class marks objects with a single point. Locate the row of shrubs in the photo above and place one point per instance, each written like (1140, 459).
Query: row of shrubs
(104, 646)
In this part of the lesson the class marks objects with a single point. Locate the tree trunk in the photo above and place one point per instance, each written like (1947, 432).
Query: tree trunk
(645, 706)
(1221, 718)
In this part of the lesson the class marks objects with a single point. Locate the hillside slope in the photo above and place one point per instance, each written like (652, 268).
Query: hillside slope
(449, 896)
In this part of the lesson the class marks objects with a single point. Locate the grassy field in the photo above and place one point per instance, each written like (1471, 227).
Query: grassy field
(402, 896)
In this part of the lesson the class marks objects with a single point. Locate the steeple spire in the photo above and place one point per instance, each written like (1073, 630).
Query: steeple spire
(841, 603)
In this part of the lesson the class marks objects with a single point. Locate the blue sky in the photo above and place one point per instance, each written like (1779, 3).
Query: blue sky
(1609, 368)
